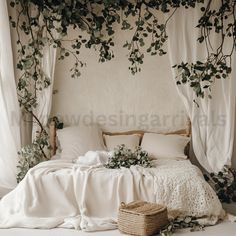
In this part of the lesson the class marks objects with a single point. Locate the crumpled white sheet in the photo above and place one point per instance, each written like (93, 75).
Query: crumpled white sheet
(93, 158)
(87, 196)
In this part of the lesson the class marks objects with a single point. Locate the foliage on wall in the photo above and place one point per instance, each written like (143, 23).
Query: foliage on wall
(40, 24)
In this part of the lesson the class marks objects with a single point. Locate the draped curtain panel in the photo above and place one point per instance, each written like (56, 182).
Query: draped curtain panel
(213, 120)
(9, 108)
(44, 97)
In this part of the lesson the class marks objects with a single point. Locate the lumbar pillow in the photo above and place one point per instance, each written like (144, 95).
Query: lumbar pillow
(75, 141)
(165, 146)
(130, 141)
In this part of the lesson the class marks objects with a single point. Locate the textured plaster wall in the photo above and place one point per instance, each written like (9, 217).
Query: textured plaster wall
(108, 94)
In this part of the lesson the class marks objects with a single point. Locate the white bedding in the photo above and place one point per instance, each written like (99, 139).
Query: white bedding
(85, 195)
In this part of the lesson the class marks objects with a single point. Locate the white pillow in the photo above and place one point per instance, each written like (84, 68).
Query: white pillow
(77, 140)
(165, 146)
(130, 141)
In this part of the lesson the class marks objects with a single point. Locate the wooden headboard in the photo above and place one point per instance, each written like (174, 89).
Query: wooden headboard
(53, 133)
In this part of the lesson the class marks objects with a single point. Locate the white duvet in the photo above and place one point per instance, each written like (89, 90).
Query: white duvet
(85, 195)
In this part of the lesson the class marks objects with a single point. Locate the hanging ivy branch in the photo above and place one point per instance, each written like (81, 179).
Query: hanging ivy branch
(98, 18)
(218, 64)
(46, 23)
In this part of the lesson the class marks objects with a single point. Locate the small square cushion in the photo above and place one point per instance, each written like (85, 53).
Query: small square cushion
(75, 141)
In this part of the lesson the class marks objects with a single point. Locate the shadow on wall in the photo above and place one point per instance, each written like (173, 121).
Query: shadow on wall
(234, 151)
(193, 158)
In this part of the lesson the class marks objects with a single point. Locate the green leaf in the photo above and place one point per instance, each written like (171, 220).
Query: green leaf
(12, 4)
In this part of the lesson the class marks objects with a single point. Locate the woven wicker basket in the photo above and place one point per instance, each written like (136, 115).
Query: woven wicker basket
(141, 218)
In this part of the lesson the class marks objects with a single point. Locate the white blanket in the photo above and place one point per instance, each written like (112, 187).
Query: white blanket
(85, 195)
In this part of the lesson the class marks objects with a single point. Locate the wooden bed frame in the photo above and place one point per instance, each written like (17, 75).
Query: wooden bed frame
(53, 134)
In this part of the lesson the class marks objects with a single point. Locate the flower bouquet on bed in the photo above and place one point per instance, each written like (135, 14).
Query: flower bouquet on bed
(125, 157)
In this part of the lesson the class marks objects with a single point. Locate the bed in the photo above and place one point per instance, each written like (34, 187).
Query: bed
(82, 194)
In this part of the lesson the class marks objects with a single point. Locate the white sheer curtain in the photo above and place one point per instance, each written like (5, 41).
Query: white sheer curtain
(9, 108)
(44, 98)
(213, 120)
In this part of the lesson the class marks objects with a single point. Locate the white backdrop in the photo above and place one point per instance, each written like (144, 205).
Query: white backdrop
(10, 118)
(213, 121)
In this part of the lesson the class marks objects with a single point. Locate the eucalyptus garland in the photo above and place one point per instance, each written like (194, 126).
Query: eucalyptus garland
(181, 223)
(31, 155)
(124, 157)
(45, 23)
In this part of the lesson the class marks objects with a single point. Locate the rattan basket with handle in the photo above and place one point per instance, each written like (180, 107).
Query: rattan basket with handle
(141, 218)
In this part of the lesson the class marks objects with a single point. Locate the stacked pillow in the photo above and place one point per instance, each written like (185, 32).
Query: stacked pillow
(76, 141)
(158, 146)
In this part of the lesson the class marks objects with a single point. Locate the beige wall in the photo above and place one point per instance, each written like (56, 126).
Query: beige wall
(116, 99)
